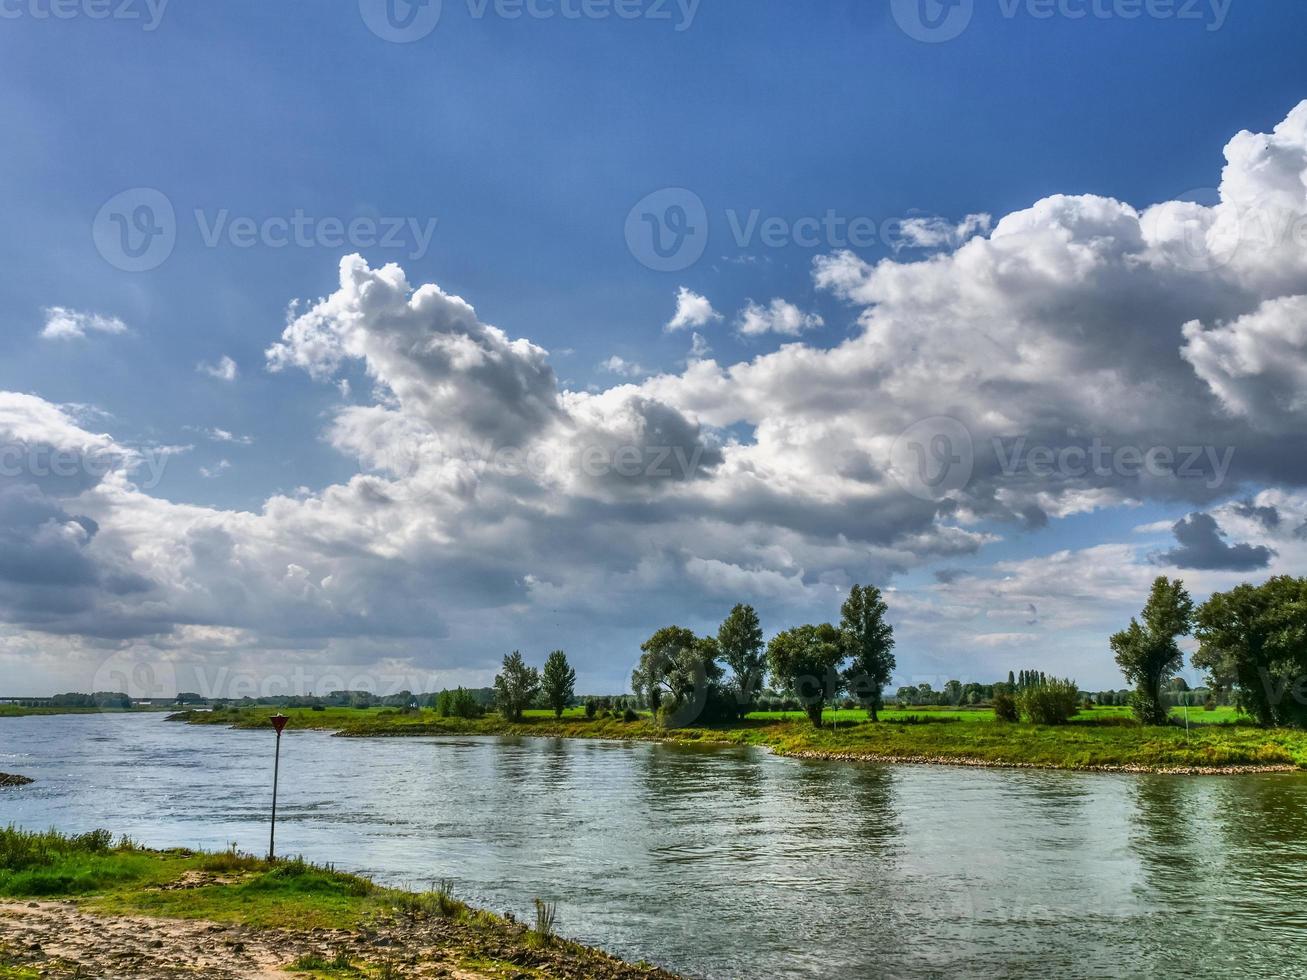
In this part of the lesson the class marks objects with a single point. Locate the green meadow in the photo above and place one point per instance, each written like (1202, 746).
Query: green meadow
(1096, 738)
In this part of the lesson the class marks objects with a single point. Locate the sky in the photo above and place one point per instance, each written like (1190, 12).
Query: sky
(358, 344)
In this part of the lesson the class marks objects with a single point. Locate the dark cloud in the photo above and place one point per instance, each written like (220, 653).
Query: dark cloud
(1269, 516)
(1202, 546)
(947, 576)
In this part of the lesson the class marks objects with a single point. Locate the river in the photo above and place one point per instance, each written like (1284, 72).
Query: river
(729, 862)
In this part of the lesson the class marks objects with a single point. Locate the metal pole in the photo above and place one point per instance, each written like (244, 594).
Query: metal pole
(278, 722)
(276, 770)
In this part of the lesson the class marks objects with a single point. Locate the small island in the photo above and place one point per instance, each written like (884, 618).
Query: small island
(9, 779)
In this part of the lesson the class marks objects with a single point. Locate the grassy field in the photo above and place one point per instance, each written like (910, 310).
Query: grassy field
(1099, 738)
(115, 878)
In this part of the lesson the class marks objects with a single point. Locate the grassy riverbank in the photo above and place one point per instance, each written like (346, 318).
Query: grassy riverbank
(1097, 739)
(311, 921)
(23, 711)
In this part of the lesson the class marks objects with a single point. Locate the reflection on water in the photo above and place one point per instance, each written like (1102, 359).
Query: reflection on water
(728, 862)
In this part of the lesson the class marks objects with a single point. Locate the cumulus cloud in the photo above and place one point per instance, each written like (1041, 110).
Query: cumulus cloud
(1202, 546)
(224, 369)
(779, 316)
(692, 310)
(61, 323)
(1051, 357)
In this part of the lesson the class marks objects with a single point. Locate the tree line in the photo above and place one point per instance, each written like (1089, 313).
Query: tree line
(683, 678)
(1252, 643)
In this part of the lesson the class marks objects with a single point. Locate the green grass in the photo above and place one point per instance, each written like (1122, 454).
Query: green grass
(1097, 738)
(116, 877)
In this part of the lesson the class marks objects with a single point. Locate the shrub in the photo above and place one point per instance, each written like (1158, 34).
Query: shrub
(1052, 701)
(591, 709)
(1005, 708)
(630, 714)
(458, 704)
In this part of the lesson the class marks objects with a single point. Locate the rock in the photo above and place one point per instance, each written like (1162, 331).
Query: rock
(8, 779)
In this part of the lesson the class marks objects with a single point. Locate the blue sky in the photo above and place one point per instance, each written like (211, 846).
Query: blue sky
(528, 141)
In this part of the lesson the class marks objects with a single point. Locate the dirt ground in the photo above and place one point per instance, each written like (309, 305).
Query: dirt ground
(58, 940)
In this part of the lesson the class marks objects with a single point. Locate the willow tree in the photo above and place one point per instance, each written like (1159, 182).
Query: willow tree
(1147, 652)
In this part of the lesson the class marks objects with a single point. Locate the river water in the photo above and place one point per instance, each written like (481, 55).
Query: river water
(730, 862)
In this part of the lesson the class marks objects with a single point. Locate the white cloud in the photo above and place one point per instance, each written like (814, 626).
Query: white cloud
(478, 516)
(778, 316)
(211, 472)
(61, 323)
(692, 310)
(935, 232)
(619, 365)
(224, 370)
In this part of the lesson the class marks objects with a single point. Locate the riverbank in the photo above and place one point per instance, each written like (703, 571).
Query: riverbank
(85, 906)
(1099, 740)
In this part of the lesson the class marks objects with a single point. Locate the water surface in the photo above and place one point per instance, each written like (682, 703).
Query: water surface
(730, 862)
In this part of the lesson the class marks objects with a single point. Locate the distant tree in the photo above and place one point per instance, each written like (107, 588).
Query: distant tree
(952, 693)
(740, 641)
(807, 660)
(1147, 652)
(1011, 681)
(869, 644)
(516, 687)
(678, 674)
(558, 682)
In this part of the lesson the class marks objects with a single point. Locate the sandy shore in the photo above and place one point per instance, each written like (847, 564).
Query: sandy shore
(58, 940)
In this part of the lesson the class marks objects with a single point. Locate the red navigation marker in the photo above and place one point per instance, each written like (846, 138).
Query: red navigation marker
(279, 722)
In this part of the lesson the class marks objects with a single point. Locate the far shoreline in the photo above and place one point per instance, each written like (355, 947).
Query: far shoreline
(1207, 750)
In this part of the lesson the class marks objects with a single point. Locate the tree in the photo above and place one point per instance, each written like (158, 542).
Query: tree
(807, 660)
(516, 687)
(558, 682)
(740, 641)
(869, 642)
(678, 671)
(1147, 652)
(1253, 639)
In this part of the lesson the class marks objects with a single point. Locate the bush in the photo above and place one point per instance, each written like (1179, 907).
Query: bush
(458, 704)
(591, 709)
(630, 714)
(1052, 701)
(1005, 708)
